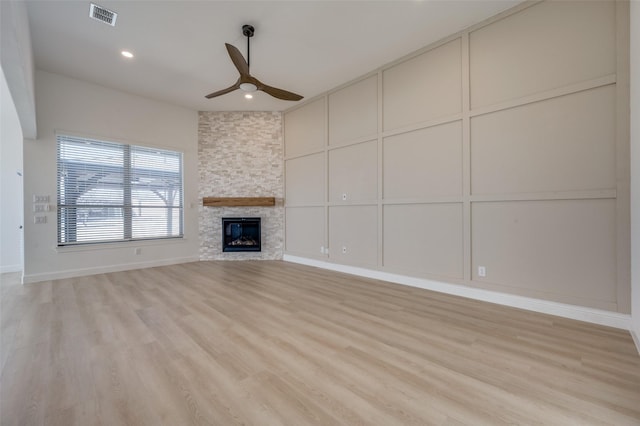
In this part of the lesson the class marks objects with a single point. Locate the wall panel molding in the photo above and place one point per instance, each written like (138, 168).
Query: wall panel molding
(543, 121)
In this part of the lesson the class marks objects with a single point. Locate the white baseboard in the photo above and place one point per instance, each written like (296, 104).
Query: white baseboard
(72, 273)
(581, 313)
(636, 339)
(10, 268)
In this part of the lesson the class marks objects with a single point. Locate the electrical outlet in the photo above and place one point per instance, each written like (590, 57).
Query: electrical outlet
(322, 249)
(482, 271)
(344, 197)
(40, 198)
(137, 251)
(39, 219)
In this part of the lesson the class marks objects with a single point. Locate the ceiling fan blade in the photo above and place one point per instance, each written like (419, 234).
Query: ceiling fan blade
(246, 81)
(279, 93)
(223, 91)
(237, 59)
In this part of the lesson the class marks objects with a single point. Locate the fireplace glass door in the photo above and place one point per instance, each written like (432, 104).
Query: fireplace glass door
(241, 234)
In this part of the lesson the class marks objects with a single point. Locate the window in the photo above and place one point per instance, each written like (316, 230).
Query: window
(111, 192)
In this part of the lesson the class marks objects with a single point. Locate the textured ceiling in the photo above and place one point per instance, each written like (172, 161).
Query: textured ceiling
(307, 47)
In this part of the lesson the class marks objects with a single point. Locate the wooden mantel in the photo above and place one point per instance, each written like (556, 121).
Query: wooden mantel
(238, 201)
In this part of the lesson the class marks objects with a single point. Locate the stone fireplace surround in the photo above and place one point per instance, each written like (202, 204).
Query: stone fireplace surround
(240, 154)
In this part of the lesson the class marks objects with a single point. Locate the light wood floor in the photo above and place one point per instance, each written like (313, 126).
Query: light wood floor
(262, 343)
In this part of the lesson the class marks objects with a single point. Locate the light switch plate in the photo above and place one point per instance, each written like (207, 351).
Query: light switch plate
(482, 271)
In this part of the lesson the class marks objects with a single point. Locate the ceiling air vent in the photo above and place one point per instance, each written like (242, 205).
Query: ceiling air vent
(101, 14)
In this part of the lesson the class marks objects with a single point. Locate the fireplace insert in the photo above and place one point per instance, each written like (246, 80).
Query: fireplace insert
(241, 234)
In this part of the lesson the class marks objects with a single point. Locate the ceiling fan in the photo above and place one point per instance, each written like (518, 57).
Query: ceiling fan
(246, 81)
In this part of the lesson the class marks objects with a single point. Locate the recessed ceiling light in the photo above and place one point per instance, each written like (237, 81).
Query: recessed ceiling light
(248, 96)
(127, 54)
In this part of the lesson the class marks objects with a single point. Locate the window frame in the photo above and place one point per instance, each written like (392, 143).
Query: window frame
(66, 233)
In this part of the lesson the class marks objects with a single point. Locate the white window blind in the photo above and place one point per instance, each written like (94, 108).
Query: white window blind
(114, 192)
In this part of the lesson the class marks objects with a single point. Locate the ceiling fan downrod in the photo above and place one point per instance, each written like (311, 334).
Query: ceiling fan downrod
(248, 32)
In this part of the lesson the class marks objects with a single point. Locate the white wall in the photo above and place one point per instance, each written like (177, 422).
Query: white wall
(10, 182)
(497, 197)
(635, 170)
(75, 107)
(18, 121)
(16, 57)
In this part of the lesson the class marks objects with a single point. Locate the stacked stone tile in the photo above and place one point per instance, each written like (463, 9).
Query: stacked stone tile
(240, 154)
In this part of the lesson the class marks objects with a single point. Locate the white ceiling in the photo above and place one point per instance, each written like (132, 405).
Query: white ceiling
(307, 47)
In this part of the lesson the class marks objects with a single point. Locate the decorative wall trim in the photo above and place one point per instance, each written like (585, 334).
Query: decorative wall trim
(72, 273)
(323, 176)
(580, 313)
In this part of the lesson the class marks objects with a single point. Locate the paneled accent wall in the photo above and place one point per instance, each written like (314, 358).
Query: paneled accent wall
(504, 146)
(240, 155)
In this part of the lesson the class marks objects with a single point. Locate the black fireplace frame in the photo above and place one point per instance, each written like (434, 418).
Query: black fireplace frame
(227, 234)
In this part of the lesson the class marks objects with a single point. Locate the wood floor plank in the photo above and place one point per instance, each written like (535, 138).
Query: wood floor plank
(272, 343)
